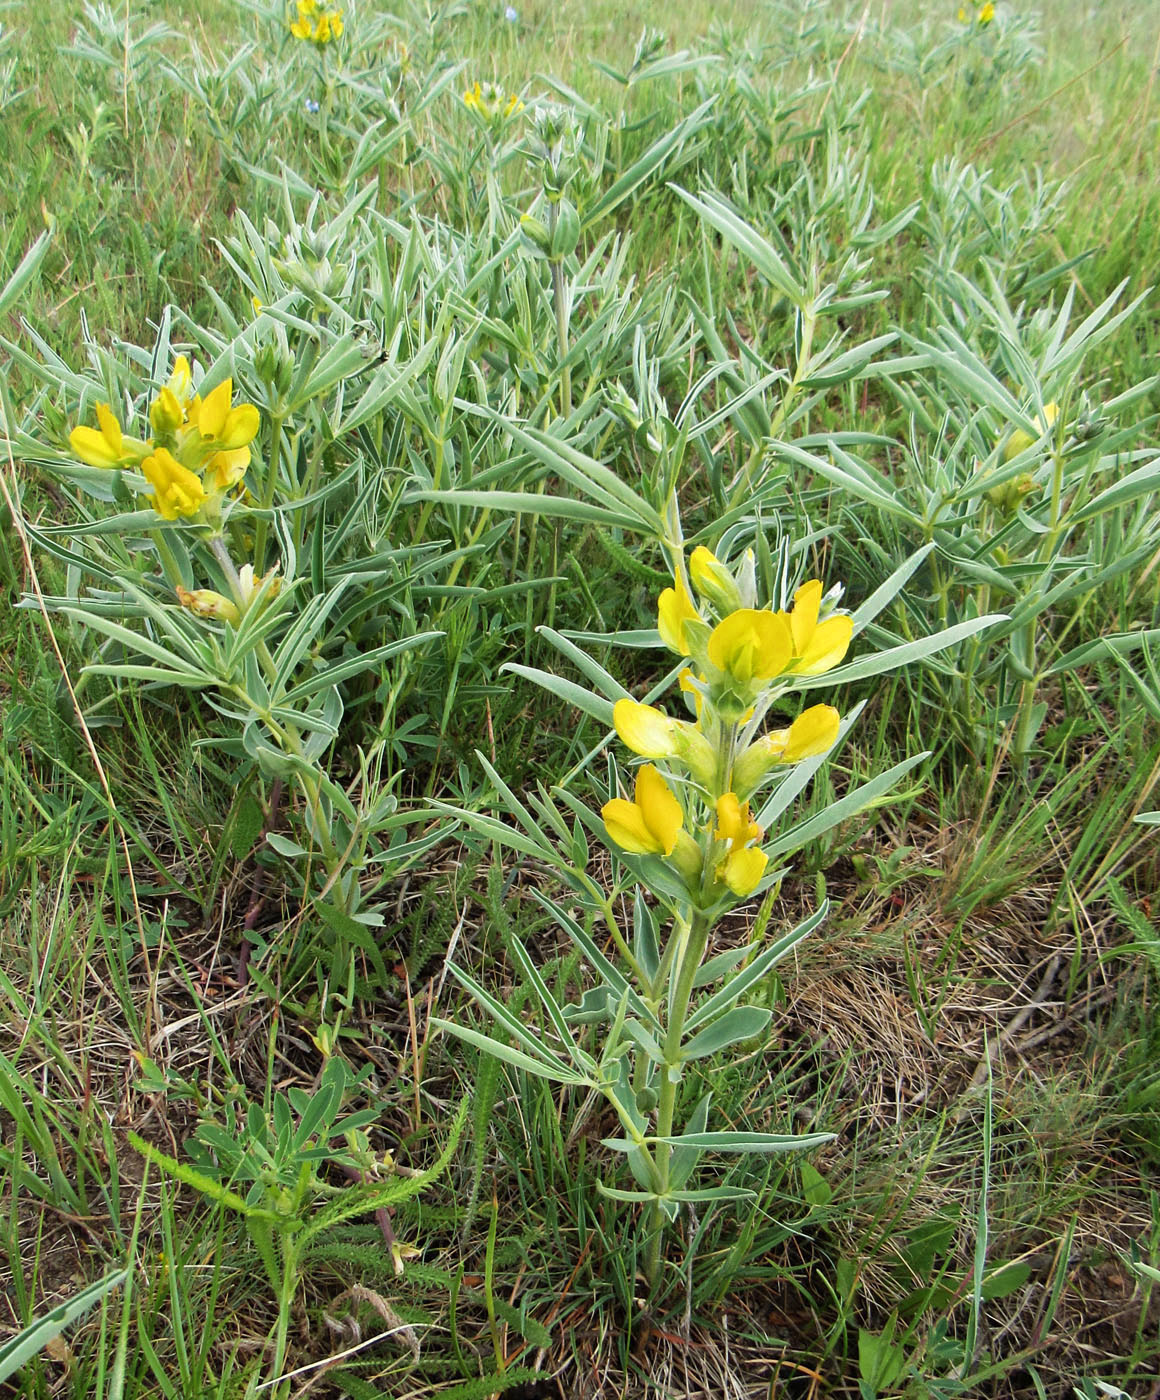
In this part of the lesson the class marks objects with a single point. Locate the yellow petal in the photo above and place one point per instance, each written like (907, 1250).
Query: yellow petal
(730, 826)
(176, 490)
(92, 447)
(110, 428)
(226, 469)
(624, 822)
(240, 427)
(804, 617)
(644, 729)
(661, 810)
(813, 732)
(827, 646)
(674, 609)
(214, 409)
(743, 870)
(751, 644)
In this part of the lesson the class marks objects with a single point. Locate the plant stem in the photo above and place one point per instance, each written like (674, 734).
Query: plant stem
(679, 998)
(269, 488)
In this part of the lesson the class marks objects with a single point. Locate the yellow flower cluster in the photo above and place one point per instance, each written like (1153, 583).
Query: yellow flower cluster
(744, 658)
(984, 15)
(200, 448)
(491, 102)
(309, 21)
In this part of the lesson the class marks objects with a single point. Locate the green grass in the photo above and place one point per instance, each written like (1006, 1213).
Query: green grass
(980, 1004)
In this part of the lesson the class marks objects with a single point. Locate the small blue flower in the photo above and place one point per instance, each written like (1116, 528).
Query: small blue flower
(511, 14)
(311, 105)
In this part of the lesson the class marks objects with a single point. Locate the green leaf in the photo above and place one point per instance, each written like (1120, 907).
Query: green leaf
(761, 964)
(815, 1188)
(1120, 643)
(761, 253)
(21, 1348)
(894, 657)
(837, 812)
(747, 1142)
(742, 1023)
(880, 1360)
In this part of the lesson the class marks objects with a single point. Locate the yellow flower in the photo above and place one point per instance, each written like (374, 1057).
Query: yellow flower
(473, 98)
(734, 823)
(204, 602)
(103, 447)
(1020, 441)
(649, 732)
(650, 823)
(166, 413)
(962, 14)
(336, 23)
(322, 30)
(226, 469)
(176, 490)
(817, 646)
(987, 13)
(742, 866)
(713, 581)
(674, 609)
(742, 870)
(814, 732)
(751, 644)
(301, 28)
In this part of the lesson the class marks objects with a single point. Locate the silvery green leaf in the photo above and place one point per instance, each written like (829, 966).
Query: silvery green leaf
(747, 1142)
(742, 1023)
(17, 1351)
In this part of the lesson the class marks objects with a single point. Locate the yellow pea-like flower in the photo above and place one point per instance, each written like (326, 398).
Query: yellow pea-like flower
(742, 870)
(987, 13)
(743, 865)
(176, 490)
(814, 732)
(652, 734)
(713, 581)
(103, 446)
(817, 646)
(648, 825)
(226, 469)
(734, 822)
(674, 609)
(166, 413)
(751, 644)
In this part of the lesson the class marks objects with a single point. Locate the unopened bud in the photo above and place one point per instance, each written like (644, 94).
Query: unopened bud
(204, 602)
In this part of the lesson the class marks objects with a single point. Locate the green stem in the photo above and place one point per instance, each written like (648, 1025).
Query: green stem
(269, 488)
(743, 487)
(679, 999)
(168, 559)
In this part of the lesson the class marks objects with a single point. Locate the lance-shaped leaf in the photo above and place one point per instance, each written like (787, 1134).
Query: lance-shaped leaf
(749, 976)
(894, 657)
(20, 1349)
(837, 812)
(742, 1023)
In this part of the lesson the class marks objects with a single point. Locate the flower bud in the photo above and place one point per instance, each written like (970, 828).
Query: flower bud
(204, 602)
(713, 581)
